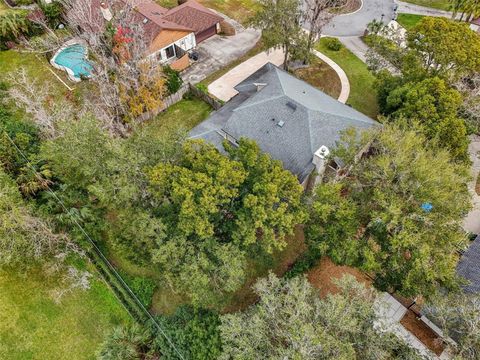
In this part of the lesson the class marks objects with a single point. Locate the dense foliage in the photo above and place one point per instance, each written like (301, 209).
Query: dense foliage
(173, 79)
(431, 106)
(195, 333)
(290, 321)
(447, 48)
(189, 210)
(375, 217)
(216, 208)
(460, 322)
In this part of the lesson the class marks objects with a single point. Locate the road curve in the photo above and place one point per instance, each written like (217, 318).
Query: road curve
(354, 24)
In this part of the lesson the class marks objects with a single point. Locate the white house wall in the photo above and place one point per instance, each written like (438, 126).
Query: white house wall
(186, 43)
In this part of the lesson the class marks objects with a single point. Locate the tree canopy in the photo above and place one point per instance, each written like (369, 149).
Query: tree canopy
(433, 106)
(216, 208)
(447, 48)
(290, 321)
(399, 211)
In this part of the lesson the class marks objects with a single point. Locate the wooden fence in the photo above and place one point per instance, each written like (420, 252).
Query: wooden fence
(174, 98)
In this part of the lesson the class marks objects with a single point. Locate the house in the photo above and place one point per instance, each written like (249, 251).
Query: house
(170, 33)
(289, 119)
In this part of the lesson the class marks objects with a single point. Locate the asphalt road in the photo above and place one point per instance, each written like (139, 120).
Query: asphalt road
(354, 24)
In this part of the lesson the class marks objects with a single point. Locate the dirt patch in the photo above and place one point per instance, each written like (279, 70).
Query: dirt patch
(321, 276)
(279, 263)
(422, 332)
(322, 76)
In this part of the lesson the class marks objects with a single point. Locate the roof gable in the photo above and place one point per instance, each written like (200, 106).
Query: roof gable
(193, 15)
(287, 117)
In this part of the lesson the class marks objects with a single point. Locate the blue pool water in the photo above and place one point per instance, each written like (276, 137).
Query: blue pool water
(73, 57)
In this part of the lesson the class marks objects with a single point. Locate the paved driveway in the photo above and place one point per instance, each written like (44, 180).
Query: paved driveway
(218, 51)
(354, 24)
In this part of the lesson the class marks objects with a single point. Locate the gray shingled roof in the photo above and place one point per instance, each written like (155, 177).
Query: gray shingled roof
(469, 267)
(310, 118)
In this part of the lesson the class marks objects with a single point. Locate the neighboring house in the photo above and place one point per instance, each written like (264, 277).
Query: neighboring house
(170, 33)
(289, 119)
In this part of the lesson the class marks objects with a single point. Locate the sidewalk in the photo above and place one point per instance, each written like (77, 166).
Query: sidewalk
(407, 8)
(345, 92)
(223, 87)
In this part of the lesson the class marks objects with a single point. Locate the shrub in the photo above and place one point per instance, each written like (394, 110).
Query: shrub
(143, 287)
(202, 87)
(307, 261)
(13, 24)
(333, 44)
(174, 81)
(53, 13)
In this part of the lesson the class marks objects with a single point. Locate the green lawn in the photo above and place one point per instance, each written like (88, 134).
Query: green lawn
(436, 4)
(363, 96)
(32, 326)
(408, 21)
(239, 10)
(184, 115)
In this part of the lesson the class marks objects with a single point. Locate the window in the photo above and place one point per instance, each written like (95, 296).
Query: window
(170, 51)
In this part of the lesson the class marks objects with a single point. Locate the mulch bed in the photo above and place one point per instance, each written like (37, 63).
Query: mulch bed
(423, 332)
(321, 76)
(323, 274)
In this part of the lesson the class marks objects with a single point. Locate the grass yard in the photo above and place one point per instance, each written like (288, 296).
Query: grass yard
(436, 4)
(322, 76)
(33, 327)
(363, 96)
(184, 115)
(38, 68)
(239, 10)
(408, 21)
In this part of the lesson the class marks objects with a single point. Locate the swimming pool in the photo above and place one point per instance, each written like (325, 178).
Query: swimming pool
(72, 59)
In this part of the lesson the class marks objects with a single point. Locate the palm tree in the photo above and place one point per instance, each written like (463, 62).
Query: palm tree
(126, 343)
(13, 24)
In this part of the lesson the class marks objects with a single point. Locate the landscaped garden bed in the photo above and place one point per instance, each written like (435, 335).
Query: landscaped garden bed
(322, 76)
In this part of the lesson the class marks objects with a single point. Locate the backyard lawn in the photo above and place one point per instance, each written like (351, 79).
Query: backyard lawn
(322, 76)
(184, 115)
(437, 4)
(408, 21)
(32, 326)
(363, 95)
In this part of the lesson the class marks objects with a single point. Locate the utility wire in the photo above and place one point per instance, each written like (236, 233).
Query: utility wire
(98, 251)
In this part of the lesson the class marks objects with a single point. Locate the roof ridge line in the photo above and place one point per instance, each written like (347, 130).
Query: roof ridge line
(241, 107)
